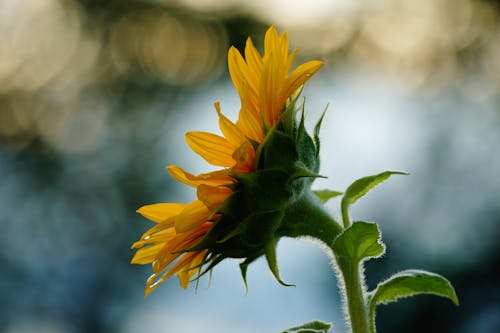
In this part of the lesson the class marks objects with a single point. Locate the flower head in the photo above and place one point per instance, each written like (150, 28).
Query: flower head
(267, 159)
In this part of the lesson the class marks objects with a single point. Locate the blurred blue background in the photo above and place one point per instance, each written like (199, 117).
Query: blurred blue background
(95, 98)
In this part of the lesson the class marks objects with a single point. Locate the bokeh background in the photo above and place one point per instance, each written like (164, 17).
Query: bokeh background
(95, 97)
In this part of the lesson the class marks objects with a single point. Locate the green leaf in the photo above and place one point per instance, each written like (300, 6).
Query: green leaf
(361, 241)
(325, 195)
(412, 282)
(311, 327)
(359, 188)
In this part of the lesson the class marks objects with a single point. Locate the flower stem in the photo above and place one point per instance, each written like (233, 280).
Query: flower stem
(307, 217)
(355, 295)
(345, 216)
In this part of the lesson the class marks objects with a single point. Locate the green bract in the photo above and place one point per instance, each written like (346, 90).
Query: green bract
(273, 201)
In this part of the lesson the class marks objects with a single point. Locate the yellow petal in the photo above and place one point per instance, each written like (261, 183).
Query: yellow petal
(290, 60)
(192, 268)
(251, 69)
(250, 124)
(232, 133)
(161, 211)
(185, 240)
(164, 258)
(162, 236)
(193, 215)
(270, 40)
(283, 47)
(214, 178)
(245, 158)
(245, 79)
(151, 284)
(164, 225)
(270, 83)
(235, 63)
(300, 75)
(147, 254)
(183, 263)
(253, 59)
(212, 196)
(214, 149)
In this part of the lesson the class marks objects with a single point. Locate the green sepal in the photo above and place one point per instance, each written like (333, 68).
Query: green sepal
(325, 195)
(254, 228)
(359, 242)
(409, 283)
(263, 190)
(278, 151)
(317, 128)
(210, 262)
(306, 149)
(259, 228)
(270, 253)
(311, 327)
(288, 115)
(301, 172)
(243, 270)
(359, 188)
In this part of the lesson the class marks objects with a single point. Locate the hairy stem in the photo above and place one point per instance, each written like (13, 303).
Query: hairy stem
(371, 318)
(345, 215)
(307, 217)
(355, 295)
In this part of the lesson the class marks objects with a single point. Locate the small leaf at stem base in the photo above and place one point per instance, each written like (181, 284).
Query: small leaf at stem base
(311, 327)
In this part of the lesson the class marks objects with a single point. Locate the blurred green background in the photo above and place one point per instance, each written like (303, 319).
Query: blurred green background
(95, 98)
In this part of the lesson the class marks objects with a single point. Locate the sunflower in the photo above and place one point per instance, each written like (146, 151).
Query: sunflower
(187, 237)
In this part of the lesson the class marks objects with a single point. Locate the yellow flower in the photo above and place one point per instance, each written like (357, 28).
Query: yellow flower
(264, 85)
